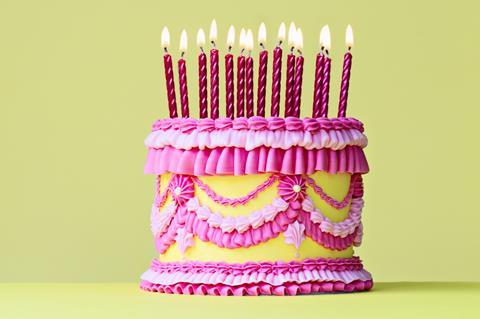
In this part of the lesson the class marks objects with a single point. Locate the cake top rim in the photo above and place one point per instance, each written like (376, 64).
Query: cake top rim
(258, 123)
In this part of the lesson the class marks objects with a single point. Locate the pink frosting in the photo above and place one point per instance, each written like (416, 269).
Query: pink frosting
(229, 236)
(271, 273)
(238, 161)
(251, 139)
(343, 228)
(234, 201)
(287, 289)
(258, 123)
(325, 239)
(240, 223)
(331, 264)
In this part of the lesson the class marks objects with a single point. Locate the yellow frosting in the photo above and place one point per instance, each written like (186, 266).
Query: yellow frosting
(335, 185)
(272, 250)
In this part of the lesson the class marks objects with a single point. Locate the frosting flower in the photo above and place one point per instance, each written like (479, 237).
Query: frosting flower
(291, 187)
(181, 188)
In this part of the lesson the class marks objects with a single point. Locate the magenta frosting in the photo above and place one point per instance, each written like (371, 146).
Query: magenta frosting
(250, 237)
(287, 289)
(259, 123)
(276, 274)
(238, 161)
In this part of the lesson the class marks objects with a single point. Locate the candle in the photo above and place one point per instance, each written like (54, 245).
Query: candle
(229, 98)
(214, 102)
(325, 87)
(202, 75)
(290, 81)
(297, 93)
(262, 71)
(317, 90)
(249, 75)
(241, 76)
(277, 72)
(347, 66)
(169, 79)
(182, 75)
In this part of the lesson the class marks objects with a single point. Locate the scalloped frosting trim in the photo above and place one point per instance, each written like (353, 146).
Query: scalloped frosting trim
(238, 161)
(258, 123)
(252, 236)
(343, 228)
(271, 275)
(240, 223)
(249, 140)
(287, 289)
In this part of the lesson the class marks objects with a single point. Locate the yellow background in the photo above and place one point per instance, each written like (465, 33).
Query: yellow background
(81, 82)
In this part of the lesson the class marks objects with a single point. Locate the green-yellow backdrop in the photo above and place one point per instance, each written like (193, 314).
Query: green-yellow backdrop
(81, 82)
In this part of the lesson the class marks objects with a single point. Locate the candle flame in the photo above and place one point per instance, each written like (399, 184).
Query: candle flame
(349, 37)
(165, 38)
(299, 40)
(201, 38)
(281, 33)
(213, 31)
(325, 39)
(291, 35)
(183, 41)
(262, 34)
(242, 39)
(249, 41)
(231, 36)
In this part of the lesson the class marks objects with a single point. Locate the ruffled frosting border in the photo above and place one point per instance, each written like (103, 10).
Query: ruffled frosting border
(238, 161)
(288, 289)
(327, 275)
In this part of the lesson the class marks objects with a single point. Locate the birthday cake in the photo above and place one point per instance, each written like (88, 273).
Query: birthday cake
(255, 205)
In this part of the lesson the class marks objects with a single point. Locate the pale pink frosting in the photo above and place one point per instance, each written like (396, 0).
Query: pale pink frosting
(160, 220)
(271, 273)
(286, 289)
(238, 161)
(228, 236)
(240, 223)
(295, 234)
(343, 228)
(251, 139)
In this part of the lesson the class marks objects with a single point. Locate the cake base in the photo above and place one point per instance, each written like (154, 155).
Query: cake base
(258, 289)
(307, 276)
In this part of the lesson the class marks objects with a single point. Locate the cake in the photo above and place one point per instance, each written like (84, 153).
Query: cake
(256, 205)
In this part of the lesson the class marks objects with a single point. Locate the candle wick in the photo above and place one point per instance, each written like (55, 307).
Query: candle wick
(262, 46)
(213, 43)
(165, 50)
(327, 53)
(292, 49)
(241, 51)
(349, 48)
(182, 54)
(299, 52)
(229, 48)
(201, 49)
(279, 43)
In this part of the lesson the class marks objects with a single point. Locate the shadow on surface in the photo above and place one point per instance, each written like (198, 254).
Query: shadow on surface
(425, 286)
